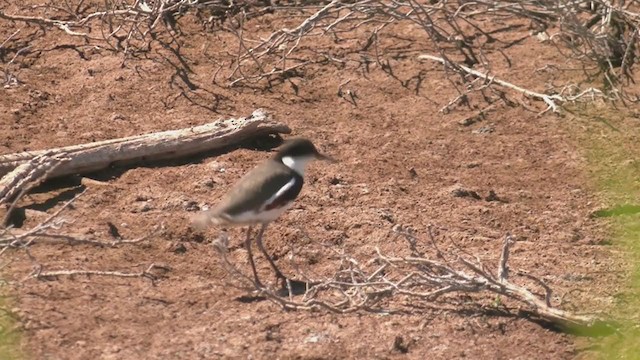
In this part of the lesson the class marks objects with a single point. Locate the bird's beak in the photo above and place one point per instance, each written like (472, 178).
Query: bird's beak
(324, 157)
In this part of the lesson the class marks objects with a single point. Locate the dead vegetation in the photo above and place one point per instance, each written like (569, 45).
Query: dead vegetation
(55, 228)
(597, 38)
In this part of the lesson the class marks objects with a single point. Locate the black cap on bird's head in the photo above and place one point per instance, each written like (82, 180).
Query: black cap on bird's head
(300, 147)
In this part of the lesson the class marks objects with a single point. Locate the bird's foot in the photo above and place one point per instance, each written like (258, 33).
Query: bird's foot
(258, 285)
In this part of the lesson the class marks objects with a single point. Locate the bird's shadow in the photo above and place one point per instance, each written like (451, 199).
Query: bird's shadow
(292, 288)
(248, 299)
(295, 288)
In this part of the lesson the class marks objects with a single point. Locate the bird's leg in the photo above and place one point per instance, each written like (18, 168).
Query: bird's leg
(247, 244)
(261, 247)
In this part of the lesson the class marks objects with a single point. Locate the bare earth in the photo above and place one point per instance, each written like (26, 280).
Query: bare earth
(400, 159)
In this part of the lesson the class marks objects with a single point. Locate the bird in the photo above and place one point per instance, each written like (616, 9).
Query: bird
(262, 195)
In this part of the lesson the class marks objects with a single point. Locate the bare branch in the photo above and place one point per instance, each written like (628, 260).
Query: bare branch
(550, 100)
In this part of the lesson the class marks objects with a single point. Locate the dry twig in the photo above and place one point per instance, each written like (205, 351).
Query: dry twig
(553, 101)
(149, 273)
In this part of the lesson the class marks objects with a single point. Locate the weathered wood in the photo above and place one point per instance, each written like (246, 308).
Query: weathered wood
(27, 175)
(155, 146)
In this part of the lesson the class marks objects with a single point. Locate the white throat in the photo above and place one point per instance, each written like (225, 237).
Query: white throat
(297, 163)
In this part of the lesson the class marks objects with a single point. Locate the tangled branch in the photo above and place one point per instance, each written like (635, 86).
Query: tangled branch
(122, 25)
(353, 288)
(461, 32)
(601, 36)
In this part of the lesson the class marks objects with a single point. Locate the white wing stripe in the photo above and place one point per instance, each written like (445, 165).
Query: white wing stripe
(282, 190)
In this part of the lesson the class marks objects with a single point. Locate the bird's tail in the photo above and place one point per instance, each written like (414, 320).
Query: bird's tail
(204, 219)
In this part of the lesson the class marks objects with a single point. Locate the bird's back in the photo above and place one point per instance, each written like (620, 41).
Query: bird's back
(254, 193)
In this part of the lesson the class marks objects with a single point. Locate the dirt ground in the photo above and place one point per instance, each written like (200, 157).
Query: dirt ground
(400, 160)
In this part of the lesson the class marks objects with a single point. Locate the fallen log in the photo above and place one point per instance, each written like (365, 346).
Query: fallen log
(164, 145)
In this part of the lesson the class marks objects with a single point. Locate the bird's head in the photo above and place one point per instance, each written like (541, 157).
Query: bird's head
(297, 153)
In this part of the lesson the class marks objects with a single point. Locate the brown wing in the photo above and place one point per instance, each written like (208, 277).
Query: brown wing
(243, 194)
